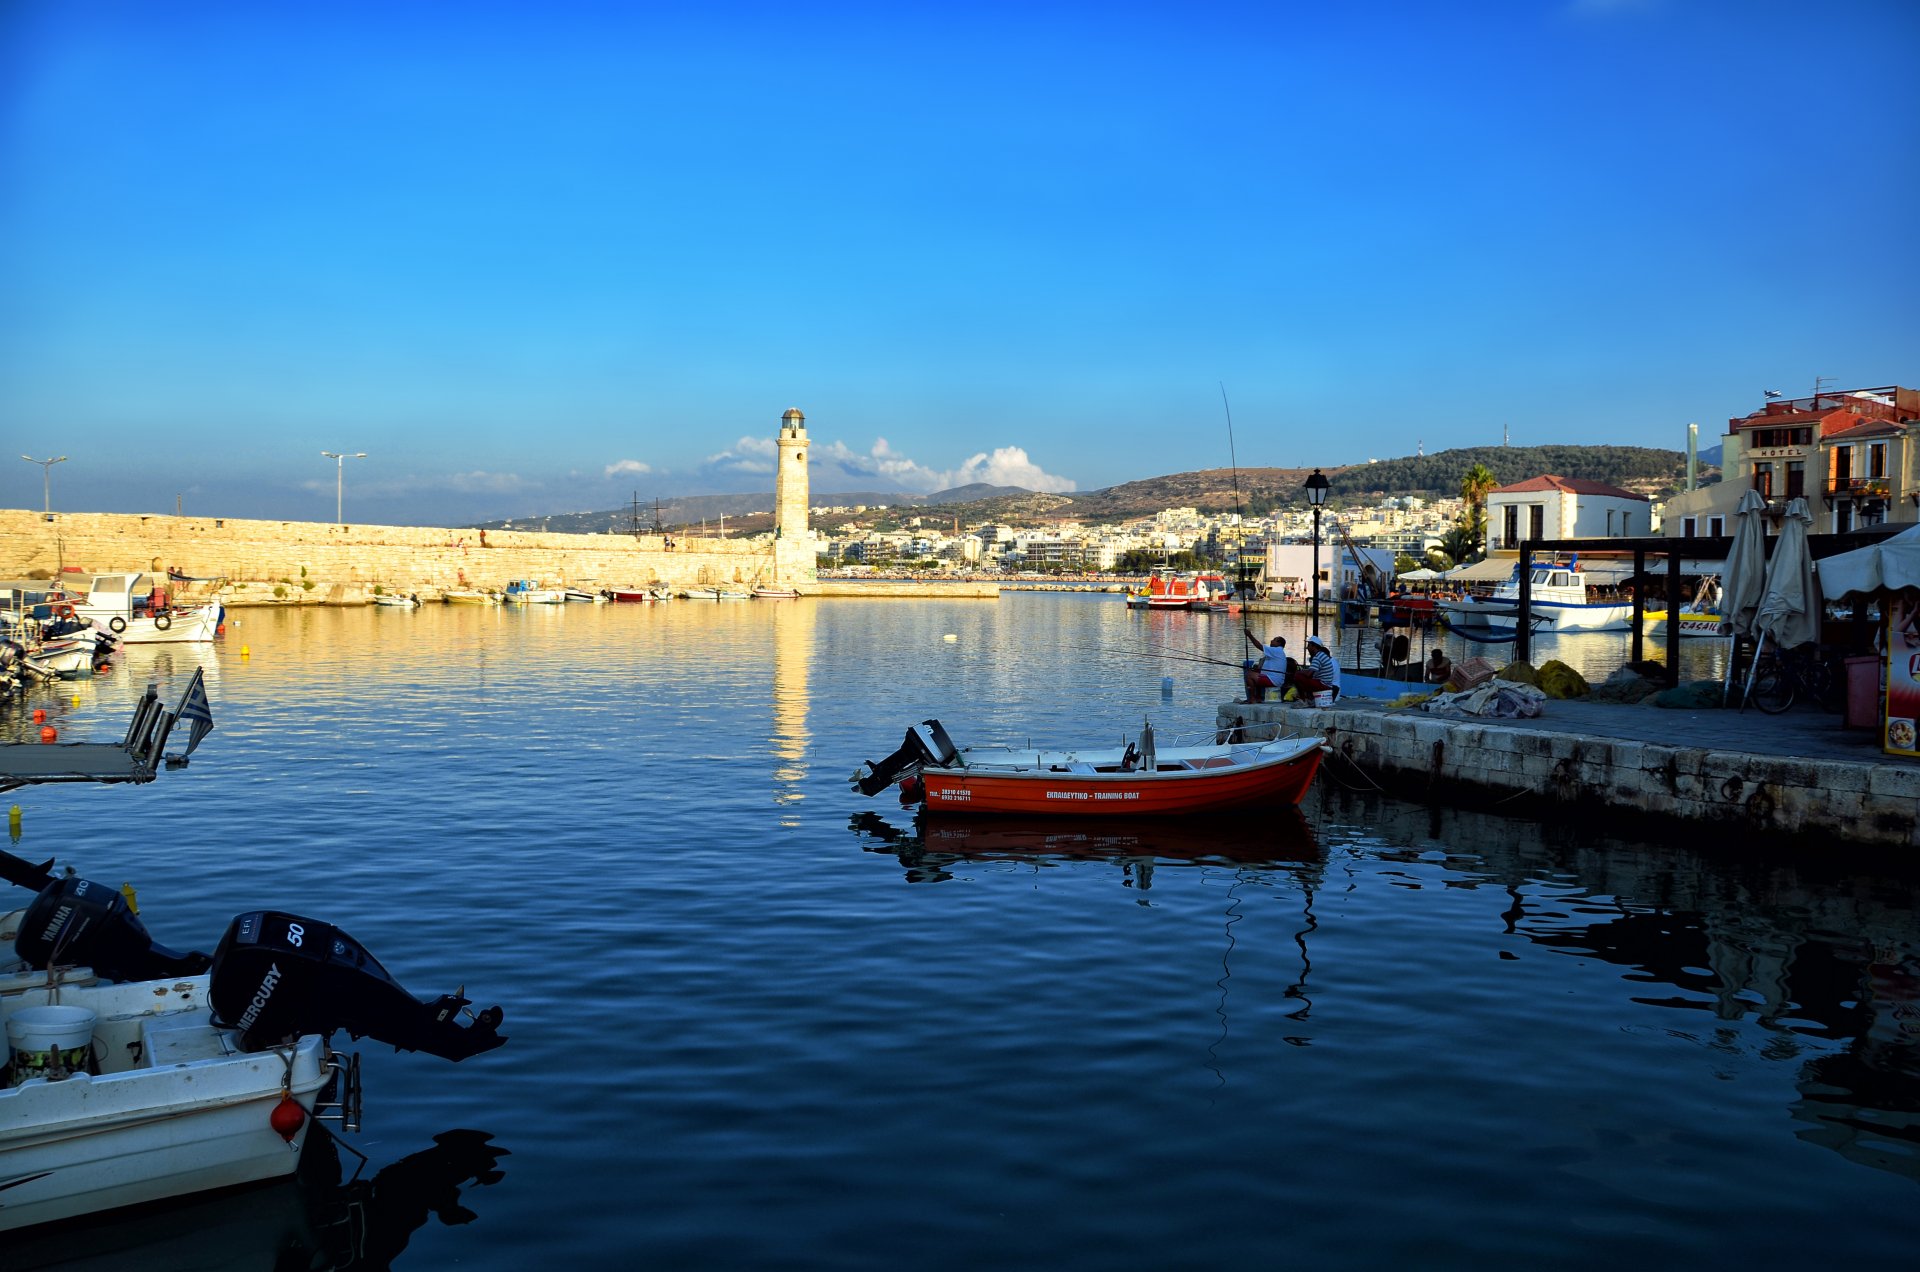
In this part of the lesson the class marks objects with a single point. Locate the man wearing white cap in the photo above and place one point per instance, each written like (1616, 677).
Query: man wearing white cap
(1321, 674)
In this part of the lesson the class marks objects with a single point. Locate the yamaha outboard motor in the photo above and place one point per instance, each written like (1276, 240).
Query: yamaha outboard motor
(277, 976)
(81, 922)
(926, 743)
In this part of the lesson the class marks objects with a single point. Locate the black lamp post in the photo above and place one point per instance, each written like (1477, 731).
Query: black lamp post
(1317, 496)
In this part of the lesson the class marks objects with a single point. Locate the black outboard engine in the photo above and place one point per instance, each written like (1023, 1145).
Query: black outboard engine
(81, 922)
(277, 976)
(926, 744)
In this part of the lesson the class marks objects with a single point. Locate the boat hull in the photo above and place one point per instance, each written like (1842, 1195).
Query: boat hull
(195, 1118)
(196, 625)
(1280, 779)
(1498, 617)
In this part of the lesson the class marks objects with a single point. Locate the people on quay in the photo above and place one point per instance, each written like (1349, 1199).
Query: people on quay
(1439, 668)
(1269, 671)
(1321, 673)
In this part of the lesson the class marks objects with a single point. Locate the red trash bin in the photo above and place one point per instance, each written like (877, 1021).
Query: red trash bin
(1864, 692)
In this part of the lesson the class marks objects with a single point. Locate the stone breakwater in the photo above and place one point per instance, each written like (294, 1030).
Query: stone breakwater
(316, 562)
(1681, 774)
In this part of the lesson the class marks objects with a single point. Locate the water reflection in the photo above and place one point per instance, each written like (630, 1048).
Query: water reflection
(792, 656)
(313, 1219)
(1780, 963)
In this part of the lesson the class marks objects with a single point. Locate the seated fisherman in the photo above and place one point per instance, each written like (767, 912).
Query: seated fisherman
(1439, 667)
(1270, 670)
(1321, 673)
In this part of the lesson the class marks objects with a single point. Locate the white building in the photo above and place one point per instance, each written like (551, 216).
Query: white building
(1552, 507)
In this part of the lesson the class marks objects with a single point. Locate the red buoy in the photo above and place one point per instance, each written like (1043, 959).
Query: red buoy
(39, 715)
(287, 1118)
(48, 733)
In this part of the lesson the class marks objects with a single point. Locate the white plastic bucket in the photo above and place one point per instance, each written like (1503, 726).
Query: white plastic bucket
(46, 1039)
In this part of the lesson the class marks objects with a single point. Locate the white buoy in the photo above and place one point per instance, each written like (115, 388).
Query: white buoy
(950, 638)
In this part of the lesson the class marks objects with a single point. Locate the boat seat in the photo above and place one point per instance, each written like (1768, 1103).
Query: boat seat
(182, 1040)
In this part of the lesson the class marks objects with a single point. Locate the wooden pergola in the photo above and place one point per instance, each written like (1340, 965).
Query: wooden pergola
(1675, 550)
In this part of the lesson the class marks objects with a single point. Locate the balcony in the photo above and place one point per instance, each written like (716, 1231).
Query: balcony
(1872, 491)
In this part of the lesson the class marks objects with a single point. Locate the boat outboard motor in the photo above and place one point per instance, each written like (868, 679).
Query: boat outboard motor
(277, 976)
(84, 923)
(926, 743)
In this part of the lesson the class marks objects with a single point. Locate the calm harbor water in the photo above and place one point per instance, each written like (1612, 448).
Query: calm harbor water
(760, 1022)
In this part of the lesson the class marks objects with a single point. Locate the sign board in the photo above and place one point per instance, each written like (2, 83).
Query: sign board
(1903, 674)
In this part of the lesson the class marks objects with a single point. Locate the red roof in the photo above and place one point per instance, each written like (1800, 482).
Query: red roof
(1569, 486)
(1864, 429)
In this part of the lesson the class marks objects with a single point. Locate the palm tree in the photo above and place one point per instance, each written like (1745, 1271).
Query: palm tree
(1474, 488)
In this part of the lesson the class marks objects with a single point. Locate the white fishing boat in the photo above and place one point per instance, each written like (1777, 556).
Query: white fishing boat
(394, 600)
(69, 657)
(715, 594)
(470, 596)
(137, 1073)
(137, 612)
(580, 596)
(525, 592)
(768, 593)
(1560, 600)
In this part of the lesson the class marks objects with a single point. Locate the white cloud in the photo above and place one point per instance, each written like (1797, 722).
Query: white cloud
(1004, 466)
(748, 455)
(623, 467)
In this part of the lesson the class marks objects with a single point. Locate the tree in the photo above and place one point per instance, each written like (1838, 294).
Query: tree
(1460, 544)
(1405, 564)
(1438, 560)
(1474, 488)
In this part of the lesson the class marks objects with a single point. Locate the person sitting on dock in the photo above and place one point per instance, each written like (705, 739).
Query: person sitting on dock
(1320, 675)
(1271, 669)
(1439, 667)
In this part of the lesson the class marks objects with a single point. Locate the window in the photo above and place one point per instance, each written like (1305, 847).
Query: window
(1763, 480)
(1796, 478)
(1689, 527)
(1876, 461)
(1511, 532)
(1537, 520)
(1840, 467)
(1716, 526)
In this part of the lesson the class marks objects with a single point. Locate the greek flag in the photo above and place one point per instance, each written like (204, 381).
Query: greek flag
(195, 711)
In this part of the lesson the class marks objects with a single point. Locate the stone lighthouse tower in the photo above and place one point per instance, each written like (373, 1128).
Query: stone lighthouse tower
(793, 556)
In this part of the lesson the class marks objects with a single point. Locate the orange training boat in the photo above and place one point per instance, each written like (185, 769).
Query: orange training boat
(1136, 780)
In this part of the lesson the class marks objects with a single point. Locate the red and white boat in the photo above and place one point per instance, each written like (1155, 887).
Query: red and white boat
(1139, 779)
(1173, 592)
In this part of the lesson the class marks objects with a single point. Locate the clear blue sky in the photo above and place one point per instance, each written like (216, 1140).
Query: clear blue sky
(535, 257)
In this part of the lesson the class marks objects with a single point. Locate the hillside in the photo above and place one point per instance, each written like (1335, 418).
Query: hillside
(1641, 469)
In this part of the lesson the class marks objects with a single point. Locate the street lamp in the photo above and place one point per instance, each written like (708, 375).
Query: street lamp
(1317, 496)
(46, 482)
(339, 473)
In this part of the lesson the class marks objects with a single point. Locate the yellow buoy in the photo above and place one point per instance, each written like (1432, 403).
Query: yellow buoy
(76, 699)
(950, 638)
(246, 652)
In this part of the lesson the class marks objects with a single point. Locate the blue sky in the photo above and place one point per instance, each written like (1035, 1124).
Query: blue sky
(534, 258)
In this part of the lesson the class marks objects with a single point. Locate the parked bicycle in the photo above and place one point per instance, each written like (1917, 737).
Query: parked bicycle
(1804, 674)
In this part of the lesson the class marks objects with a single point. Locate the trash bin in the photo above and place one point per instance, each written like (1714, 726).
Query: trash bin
(1864, 693)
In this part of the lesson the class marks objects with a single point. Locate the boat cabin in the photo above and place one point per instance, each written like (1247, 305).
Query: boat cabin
(125, 596)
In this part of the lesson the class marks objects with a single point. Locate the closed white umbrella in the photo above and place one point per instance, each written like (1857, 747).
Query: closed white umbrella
(1744, 576)
(1789, 609)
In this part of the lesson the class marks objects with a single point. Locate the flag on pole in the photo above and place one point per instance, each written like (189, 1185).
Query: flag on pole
(195, 711)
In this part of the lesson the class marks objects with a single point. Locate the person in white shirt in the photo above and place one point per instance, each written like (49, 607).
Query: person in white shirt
(1270, 671)
(1321, 672)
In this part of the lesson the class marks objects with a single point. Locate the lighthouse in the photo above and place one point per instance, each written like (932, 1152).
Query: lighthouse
(793, 555)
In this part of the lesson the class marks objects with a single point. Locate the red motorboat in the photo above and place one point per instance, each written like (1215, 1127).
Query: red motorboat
(1140, 779)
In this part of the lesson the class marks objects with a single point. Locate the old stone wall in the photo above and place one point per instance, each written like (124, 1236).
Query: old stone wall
(397, 557)
(1736, 795)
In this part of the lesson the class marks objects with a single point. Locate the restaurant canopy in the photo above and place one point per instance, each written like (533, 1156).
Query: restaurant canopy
(1888, 565)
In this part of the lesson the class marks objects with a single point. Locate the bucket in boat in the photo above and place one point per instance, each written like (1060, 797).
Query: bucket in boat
(49, 1041)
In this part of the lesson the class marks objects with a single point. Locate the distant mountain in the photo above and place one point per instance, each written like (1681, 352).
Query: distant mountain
(686, 510)
(1252, 491)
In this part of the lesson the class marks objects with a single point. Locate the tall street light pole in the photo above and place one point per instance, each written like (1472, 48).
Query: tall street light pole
(46, 482)
(1317, 496)
(340, 459)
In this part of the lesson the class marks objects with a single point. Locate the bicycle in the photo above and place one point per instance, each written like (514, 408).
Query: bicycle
(1801, 674)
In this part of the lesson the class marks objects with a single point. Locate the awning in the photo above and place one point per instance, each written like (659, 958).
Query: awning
(1491, 570)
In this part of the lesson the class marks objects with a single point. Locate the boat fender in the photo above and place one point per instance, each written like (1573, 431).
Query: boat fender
(162, 621)
(118, 624)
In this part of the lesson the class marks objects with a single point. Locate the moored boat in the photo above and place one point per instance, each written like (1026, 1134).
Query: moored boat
(526, 592)
(469, 596)
(1140, 779)
(715, 594)
(134, 612)
(394, 600)
(1559, 600)
(764, 593)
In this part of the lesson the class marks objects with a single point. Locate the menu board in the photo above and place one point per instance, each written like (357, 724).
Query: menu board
(1903, 674)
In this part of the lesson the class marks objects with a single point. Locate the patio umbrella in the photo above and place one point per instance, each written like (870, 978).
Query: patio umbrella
(1889, 565)
(1743, 578)
(1789, 609)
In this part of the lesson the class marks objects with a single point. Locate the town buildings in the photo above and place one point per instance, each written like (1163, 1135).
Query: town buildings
(1550, 507)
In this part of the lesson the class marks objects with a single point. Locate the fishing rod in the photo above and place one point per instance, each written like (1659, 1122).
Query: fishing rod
(1242, 587)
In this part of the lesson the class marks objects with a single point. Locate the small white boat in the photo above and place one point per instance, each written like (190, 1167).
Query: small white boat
(776, 594)
(69, 657)
(139, 614)
(469, 596)
(715, 594)
(524, 592)
(138, 1073)
(580, 596)
(393, 600)
(1559, 600)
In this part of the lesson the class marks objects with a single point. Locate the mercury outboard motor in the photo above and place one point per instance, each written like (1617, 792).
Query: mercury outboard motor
(82, 922)
(277, 976)
(926, 743)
